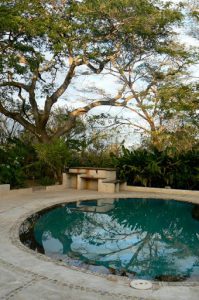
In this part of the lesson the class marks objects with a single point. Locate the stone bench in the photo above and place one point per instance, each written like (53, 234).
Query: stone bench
(111, 186)
(99, 179)
(80, 178)
(88, 182)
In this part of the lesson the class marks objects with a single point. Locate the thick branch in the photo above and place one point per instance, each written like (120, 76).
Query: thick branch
(17, 117)
(23, 103)
(99, 69)
(15, 84)
(59, 92)
(68, 125)
(31, 90)
(32, 99)
(71, 122)
(111, 102)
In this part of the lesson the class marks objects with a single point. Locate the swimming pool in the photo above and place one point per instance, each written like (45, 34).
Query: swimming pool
(142, 238)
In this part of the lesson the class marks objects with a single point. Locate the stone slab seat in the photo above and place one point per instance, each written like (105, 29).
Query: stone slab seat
(110, 185)
(90, 182)
(115, 181)
(91, 177)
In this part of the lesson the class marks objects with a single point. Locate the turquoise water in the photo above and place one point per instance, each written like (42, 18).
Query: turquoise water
(143, 237)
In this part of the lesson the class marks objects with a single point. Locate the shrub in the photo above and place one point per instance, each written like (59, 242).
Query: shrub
(155, 168)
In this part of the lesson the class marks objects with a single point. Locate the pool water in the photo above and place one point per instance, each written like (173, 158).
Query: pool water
(145, 238)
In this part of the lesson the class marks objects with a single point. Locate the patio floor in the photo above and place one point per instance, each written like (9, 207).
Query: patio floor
(25, 274)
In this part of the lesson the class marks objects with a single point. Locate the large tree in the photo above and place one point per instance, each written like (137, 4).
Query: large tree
(46, 45)
(161, 98)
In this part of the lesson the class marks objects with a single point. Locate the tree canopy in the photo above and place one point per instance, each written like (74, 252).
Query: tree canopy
(46, 45)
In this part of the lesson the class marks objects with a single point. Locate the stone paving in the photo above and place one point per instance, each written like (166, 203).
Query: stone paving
(25, 274)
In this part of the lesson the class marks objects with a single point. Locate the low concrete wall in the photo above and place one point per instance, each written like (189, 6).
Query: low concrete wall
(4, 187)
(158, 190)
(31, 190)
(55, 187)
(72, 183)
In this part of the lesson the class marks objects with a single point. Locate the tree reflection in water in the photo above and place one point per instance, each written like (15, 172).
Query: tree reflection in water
(142, 236)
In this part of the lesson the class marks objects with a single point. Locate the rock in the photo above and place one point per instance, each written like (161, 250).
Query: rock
(195, 212)
(131, 274)
(123, 273)
(112, 271)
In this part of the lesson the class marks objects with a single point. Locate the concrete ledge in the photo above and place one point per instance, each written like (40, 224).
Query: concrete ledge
(55, 187)
(158, 190)
(4, 187)
(18, 191)
(108, 185)
(38, 188)
(35, 189)
(90, 168)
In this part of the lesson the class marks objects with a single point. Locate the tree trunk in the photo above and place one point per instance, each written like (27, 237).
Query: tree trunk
(58, 175)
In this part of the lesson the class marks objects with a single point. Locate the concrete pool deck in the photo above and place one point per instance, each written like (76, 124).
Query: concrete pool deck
(25, 274)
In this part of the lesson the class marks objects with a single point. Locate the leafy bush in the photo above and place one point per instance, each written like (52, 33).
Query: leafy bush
(92, 158)
(12, 160)
(55, 156)
(20, 162)
(154, 168)
(47, 181)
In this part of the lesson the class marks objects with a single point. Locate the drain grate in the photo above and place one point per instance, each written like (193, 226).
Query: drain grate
(141, 284)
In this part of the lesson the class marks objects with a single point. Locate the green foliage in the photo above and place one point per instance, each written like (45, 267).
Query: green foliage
(92, 158)
(13, 157)
(54, 155)
(154, 168)
(21, 162)
(43, 39)
(47, 181)
(177, 98)
(43, 164)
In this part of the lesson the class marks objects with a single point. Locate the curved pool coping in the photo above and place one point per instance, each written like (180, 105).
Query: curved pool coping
(17, 241)
(41, 266)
